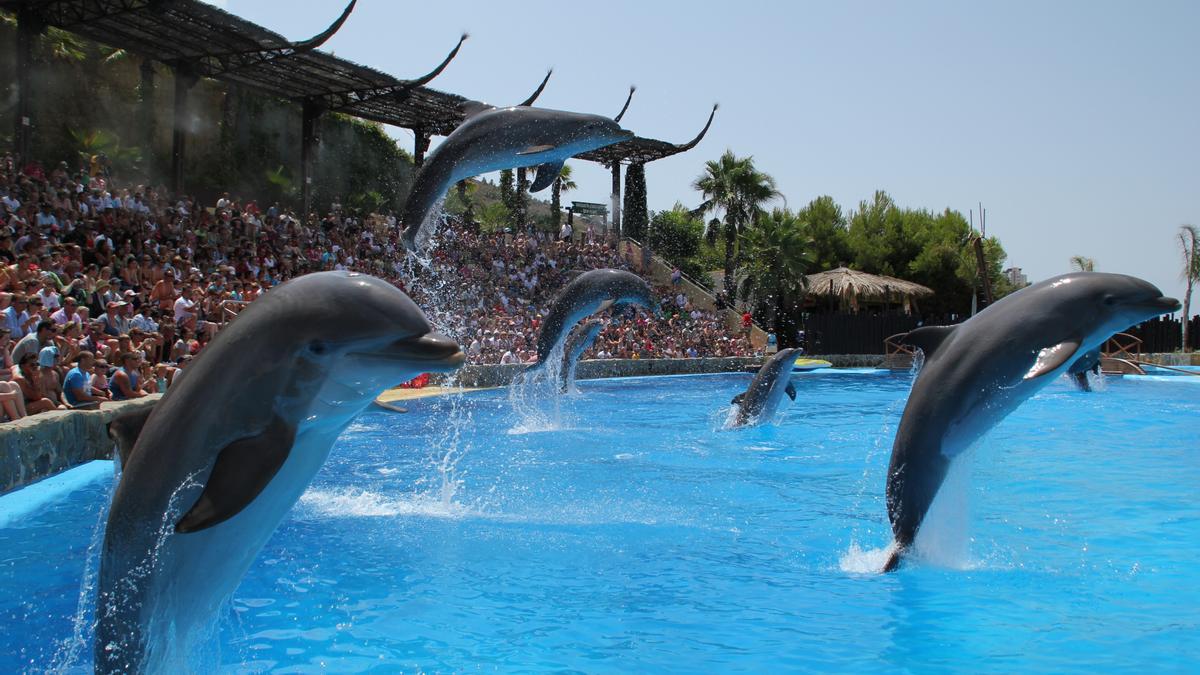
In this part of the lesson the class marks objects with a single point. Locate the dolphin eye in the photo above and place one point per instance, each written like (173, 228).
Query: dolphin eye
(317, 347)
(1110, 300)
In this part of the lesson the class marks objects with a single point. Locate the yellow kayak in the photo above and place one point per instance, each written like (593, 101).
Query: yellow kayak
(805, 365)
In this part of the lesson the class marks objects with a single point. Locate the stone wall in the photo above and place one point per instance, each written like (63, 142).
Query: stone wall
(499, 376)
(42, 445)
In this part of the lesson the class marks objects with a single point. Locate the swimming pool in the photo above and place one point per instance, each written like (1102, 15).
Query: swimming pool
(636, 535)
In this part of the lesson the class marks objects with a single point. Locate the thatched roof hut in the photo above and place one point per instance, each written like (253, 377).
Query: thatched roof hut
(851, 289)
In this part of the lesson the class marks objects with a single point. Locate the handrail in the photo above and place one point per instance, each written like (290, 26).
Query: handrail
(892, 345)
(1159, 365)
(1119, 345)
(668, 263)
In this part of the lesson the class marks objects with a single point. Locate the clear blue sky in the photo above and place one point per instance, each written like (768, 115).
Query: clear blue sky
(1075, 123)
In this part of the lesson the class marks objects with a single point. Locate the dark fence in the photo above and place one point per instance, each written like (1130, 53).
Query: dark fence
(865, 333)
(1166, 335)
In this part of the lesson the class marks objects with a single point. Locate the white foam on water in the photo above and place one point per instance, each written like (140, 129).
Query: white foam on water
(357, 503)
(857, 560)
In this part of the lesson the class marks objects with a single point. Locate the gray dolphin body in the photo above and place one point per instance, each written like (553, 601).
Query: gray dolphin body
(587, 294)
(503, 138)
(577, 343)
(761, 399)
(227, 451)
(978, 372)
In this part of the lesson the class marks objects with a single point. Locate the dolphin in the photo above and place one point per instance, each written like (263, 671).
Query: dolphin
(978, 372)
(577, 343)
(766, 391)
(227, 451)
(503, 138)
(1079, 370)
(587, 294)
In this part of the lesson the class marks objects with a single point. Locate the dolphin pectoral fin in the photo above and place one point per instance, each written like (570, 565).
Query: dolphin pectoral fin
(790, 391)
(927, 338)
(605, 305)
(535, 149)
(239, 474)
(1050, 358)
(125, 429)
(546, 174)
(737, 400)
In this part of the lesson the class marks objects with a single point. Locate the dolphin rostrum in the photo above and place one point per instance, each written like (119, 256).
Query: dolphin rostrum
(227, 451)
(502, 138)
(766, 391)
(577, 343)
(587, 294)
(978, 372)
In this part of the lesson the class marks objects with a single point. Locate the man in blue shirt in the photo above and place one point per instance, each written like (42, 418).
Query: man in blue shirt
(77, 387)
(16, 318)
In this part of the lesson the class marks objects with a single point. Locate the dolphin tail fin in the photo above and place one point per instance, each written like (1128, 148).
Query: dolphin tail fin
(125, 429)
(927, 338)
(737, 400)
(893, 560)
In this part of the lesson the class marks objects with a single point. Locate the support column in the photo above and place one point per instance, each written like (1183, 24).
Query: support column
(308, 149)
(616, 199)
(420, 147)
(183, 82)
(522, 200)
(29, 26)
(146, 108)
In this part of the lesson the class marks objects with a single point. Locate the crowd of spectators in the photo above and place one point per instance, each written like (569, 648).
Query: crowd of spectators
(107, 291)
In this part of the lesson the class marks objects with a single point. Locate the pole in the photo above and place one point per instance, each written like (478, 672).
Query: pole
(183, 82)
(29, 26)
(308, 146)
(420, 147)
(616, 199)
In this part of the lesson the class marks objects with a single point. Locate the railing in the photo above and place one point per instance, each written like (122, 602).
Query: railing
(1120, 345)
(897, 355)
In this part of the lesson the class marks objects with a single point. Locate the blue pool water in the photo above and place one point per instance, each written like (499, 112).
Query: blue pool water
(636, 535)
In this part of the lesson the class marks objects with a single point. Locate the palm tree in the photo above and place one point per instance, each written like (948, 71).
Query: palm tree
(734, 188)
(561, 184)
(1189, 242)
(1081, 263)
(778, 254)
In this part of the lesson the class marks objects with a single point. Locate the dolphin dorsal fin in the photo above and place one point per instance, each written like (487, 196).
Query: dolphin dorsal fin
(928, 338)
(239, 474)
(1051, 358)
(124, 430)
(546, 175)
(790, 391)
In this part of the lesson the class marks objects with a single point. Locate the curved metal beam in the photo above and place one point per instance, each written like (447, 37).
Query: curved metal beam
(534, 96)
(632, 88)
(425, 79)
(692, 143)
(320, 38)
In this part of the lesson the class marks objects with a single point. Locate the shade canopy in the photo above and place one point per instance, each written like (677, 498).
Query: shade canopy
(853, 287)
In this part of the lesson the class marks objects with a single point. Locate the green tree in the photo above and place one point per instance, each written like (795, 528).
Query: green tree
(563, 183)
(506, 189)
(1189, 244)
(826, 226)
(676, 234)
(1081, 263)
(494, 217)
(774, 278)
(733, 188)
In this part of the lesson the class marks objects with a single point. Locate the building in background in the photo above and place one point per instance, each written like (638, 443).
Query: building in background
(1016, 277)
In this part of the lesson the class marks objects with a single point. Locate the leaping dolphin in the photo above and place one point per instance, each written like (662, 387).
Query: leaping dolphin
(577, 343)
(978, 372)
(1079, 370)
(587, 294)
(503, 138)
(227, 451)
(761, 399)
